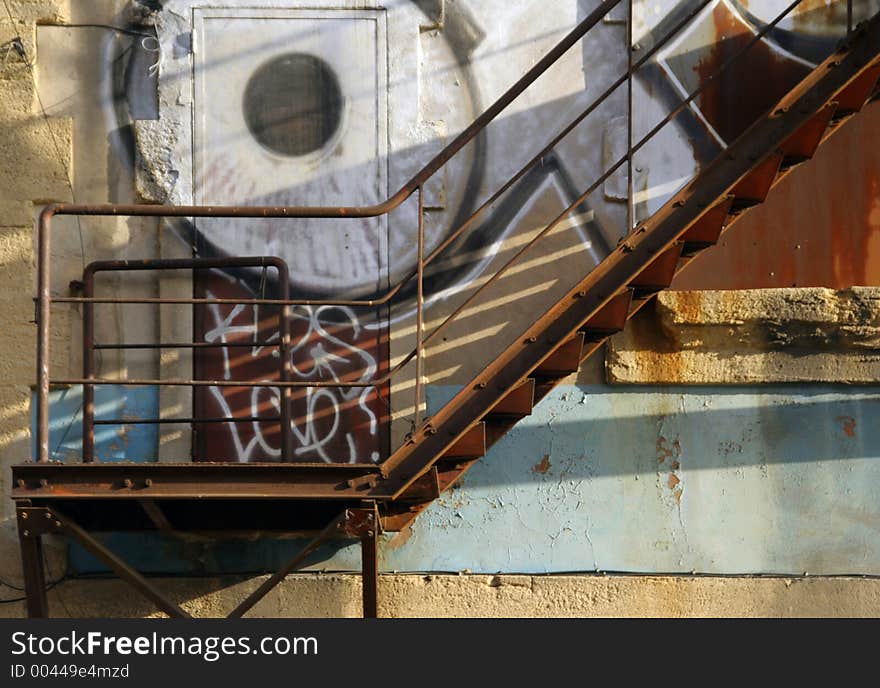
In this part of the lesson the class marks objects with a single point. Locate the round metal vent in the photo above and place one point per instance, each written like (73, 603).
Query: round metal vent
(293, 104)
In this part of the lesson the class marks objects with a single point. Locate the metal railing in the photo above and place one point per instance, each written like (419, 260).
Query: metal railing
(416, 185)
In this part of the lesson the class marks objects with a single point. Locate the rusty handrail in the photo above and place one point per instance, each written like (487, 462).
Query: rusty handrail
(413, 186)
(140, 210)
(455, 234)
(394, 201)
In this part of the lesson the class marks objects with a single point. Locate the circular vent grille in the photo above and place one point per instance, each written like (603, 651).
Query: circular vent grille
(293, 104)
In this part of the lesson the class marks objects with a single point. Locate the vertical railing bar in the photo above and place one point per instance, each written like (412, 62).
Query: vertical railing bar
(196, 400)
(420, 305)
(88, 354)
(849, 18)
(630, 210)
(286, 364)
(44, 286)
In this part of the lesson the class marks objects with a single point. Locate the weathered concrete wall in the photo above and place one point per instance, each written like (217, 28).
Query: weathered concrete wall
(53, 153)
(316, 596)
(37, 156)
(754, 480)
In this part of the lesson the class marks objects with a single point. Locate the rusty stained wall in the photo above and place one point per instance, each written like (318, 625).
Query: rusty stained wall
(820, 227)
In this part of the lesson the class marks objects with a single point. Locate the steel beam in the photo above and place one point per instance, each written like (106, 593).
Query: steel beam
(200, 480)
(370, 574)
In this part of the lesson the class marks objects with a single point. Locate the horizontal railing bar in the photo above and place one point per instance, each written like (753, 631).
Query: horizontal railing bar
(208, 302)
(211, 383)
(188, 421)
(150, 264)
(188, 466)
(187, 345)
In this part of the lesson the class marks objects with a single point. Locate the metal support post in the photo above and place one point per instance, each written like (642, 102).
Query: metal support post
(32, 567)
(364, 524)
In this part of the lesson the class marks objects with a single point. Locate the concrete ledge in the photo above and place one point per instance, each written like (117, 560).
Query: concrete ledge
(490, 596)
(751, 336)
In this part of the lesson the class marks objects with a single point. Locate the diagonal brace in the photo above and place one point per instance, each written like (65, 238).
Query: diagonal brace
(44, 520)
(333, 528)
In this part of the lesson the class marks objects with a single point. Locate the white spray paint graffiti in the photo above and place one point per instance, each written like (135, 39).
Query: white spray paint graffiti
(316, 347)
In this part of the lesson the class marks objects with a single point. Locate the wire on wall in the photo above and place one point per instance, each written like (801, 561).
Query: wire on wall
(24, 57)
(13, 600)
(149, 42)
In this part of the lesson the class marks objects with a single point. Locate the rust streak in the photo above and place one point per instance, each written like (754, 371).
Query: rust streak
(543, 466)
(662, 452)
(848, 424)
(737, 98)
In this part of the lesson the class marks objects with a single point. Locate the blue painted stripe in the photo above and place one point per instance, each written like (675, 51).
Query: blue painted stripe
(776, 479)
(124, 442)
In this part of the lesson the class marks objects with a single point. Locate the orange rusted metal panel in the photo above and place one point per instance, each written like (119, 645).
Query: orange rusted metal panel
(854, 96)
(820, 226)
(754, 187)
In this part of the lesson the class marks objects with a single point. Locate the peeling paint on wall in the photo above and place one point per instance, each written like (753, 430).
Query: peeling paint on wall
(122, 442)
(780, 479)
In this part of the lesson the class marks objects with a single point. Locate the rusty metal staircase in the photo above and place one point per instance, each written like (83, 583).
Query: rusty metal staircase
(643, 265)
(360, 501)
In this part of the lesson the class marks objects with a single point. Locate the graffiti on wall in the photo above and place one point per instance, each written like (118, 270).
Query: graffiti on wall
(328, 344)
(362, 257)
(382, 89)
